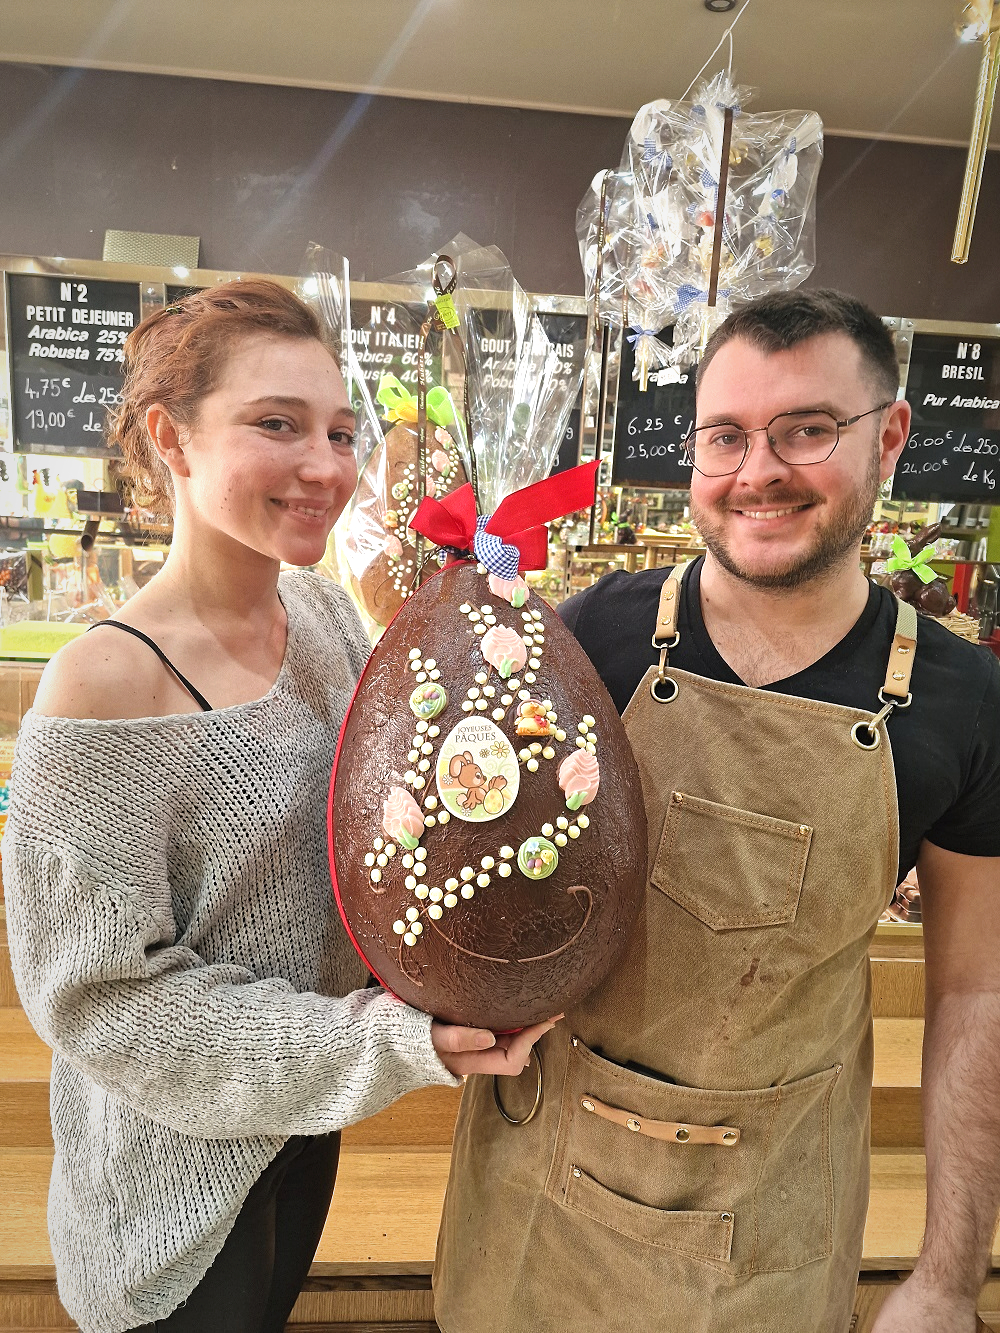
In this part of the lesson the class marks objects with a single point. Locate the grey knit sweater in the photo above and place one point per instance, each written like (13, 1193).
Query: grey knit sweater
(175, 941)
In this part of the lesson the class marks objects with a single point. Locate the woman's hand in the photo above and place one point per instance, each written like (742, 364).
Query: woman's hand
(476, 1051)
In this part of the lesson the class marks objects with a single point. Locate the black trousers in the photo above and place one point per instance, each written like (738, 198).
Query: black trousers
(252, 1285)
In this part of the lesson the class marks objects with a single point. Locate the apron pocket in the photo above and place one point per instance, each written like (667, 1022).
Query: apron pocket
(730, 868)
(764, 1204)
(700, 1235)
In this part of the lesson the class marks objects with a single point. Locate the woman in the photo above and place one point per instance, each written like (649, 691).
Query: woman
(171, 920)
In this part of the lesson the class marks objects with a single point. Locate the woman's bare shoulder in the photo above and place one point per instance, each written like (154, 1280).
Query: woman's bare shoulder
(106, 674)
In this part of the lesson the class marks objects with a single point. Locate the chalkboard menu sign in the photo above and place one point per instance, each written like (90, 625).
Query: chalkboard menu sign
(385, 336)
(569, 334)
(953, 452)
(651, 426)
(64, 349)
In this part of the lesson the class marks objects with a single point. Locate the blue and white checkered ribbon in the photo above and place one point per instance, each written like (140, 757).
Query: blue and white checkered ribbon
(493, 552)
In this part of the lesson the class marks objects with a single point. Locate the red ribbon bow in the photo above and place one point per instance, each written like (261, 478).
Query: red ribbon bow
(519, 519)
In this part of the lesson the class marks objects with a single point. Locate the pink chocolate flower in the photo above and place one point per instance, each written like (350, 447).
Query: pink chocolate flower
(579, 777)
(504, 649)
(514, 591)
(439, 460)
(393, 547)
(401, 818)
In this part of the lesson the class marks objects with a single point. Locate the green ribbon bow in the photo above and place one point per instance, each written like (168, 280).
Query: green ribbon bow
(919, 563)
(401, 405)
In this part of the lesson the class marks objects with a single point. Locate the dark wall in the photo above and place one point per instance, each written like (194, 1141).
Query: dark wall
(257, 172)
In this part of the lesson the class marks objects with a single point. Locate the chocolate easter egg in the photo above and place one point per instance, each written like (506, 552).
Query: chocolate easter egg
(487, 831)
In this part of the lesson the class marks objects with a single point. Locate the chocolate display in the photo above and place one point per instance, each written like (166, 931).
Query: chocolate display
(913, 580)
(487, 829)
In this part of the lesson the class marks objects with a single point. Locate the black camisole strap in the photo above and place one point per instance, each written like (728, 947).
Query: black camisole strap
(196, 695)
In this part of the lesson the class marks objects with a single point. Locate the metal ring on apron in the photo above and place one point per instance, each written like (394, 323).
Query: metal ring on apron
(871, 727)
(663, 681)
(511, 1120)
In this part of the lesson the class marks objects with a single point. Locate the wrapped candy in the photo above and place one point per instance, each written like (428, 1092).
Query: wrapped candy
(487, 830)
(662, 252)
(913, 580)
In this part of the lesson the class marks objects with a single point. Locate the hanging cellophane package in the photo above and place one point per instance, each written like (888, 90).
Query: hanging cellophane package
(667, 253)
(487, 833)
(376, 546)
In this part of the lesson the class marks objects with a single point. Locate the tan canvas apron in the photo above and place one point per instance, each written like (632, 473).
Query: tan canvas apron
(699, 1159)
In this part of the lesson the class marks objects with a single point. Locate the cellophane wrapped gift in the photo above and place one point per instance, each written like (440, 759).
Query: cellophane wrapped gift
(487, 831)
(649, 265)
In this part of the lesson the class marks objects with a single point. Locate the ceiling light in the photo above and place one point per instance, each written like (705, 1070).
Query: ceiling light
(720, 6)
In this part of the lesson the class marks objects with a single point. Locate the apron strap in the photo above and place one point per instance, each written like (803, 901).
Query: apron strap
(666, 1130)
(901, 654)
(669, 608)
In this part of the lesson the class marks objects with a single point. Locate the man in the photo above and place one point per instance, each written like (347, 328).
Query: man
(699, 1161)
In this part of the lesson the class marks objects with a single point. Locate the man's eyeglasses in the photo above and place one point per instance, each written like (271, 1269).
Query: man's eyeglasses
(798, 438)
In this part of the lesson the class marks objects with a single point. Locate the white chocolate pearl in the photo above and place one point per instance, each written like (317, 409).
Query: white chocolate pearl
(419, 783)
(424, 765)
(473, 692)
(378, 844)
(410, 882)
(547, 705)
(487, 863)
(390, 849)
(435, 675)
(503, 870)
(421, 891)
(562, 822)
(481, 677)
(431, 802)
(507, 853)
(409, 938)
(375, 876)
(468, 891)
(421, 677)
(435, 895)
(413, 756)
(420, 869)
(525, 615)
(370, 859)
(399, 927)
(592, 736)
(382, 859)
(588, 720)
(451, 883)
(429, 822)
(407, 860)
(433, 731)
(427, 748)
(536, 615)
(591, 747)
(497, 715)
(430, 663)
(490, 692)
(560, 840)
(412, 914)
(583, 821)
(524, 694)
(582, 726)
(507, 699)
(482, 705)
(532, 765)
(467, 705)
(421, 728)
(490, 620)
(581, 742)
(450, 900)
(548, 752)
(414, 653)
(535, 747)
(560, 735)
(465, 608)
(482, 880)
(409, 775)
(443, 817)
(416, 928)
(486, 610)
(573, 831)
(533, 662)
(421, 853)
(467, 872)
(473, 616)
(513, 683)
(435, 913)
(529, 676)
(416, 664)
(479, 629)
(547, 830)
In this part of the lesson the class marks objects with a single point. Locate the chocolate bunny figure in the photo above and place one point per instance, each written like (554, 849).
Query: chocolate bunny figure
(472, 778)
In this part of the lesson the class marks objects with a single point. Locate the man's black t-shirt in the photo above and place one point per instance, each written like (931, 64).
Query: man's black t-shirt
(945, 746)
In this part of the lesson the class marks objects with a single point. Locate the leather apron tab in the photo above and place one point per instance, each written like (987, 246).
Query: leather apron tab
(900, 667)
(666, 1130)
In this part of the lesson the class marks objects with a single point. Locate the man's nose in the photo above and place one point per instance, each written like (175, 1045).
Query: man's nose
(762, 466)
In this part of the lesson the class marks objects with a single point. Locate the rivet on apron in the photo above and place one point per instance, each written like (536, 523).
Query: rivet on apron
(730, 1136)
(577, 1172)
(677, 797)
(725, 1217)
(902, 650)
(682, 1135)
(803, 828)
(587, 1106)
(574, 1041)
(634, 1125)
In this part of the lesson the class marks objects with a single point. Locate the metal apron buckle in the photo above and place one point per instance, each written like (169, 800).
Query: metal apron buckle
(512, 1120)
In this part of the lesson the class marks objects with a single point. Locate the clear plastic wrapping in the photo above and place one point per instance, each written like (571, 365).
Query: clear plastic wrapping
(650, 265)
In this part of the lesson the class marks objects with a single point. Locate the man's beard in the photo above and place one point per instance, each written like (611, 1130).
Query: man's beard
(835, 539)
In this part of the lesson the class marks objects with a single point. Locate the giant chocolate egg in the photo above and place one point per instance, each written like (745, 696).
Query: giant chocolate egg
(487, 831)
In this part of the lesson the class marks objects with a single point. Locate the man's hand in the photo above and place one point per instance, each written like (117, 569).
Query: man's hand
(476, 1051)
(916, 1307)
